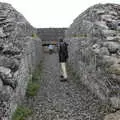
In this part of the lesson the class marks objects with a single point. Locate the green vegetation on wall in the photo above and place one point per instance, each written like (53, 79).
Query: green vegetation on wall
(34, 82)
(34, 35)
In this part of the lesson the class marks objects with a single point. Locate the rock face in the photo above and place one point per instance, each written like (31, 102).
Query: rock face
(94, 50)
(20, 53)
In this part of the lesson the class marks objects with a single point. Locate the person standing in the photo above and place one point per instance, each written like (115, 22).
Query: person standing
(63, 56)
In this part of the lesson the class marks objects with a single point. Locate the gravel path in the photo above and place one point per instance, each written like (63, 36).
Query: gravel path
(63, 100)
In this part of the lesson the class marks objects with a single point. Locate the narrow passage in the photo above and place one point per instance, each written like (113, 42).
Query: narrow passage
(63, 100)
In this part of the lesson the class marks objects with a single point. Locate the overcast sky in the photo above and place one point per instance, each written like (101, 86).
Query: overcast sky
(53, 13)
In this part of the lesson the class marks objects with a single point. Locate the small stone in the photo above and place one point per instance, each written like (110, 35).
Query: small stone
(1, 85)
(5, 71)
(104, 51)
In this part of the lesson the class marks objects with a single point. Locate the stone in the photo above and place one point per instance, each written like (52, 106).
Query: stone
(5, 71)
(6, 77)
(113, 47)
(104, 51)
(100, 12)
(11, 63)
(116, 38)
(2, 34)
(101, 24)
(115, 69)
(11, 51)
(113, 13)
(107, 17)
(1, 85)
(111, 25)
(110, 33)
(1, 47)
(113, 116)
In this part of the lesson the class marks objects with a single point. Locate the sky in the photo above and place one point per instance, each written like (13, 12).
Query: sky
(53, 13)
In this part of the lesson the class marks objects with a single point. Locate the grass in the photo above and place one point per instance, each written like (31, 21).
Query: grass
(34, 35)
(32, 89)
(21, 113)
(80, 35)
(34, 82)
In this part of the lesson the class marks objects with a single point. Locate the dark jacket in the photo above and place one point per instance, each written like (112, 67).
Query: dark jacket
(63, 52)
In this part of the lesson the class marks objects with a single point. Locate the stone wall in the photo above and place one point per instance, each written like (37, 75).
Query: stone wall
(94, 45)
(48, 35)
(20, 53)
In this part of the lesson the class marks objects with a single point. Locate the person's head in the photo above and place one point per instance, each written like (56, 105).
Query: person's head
(61, 40)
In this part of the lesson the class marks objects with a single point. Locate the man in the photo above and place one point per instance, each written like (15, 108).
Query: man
(63, 56)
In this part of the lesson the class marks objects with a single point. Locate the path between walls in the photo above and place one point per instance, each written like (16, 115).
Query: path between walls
(63, 100)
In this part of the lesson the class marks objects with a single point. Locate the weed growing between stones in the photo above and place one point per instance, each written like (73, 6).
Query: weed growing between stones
(80, 35)
(34, 35)
(32, 89)
(21, 113)
(34, 82)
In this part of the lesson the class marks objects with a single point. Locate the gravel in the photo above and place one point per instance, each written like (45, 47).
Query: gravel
(63, 100)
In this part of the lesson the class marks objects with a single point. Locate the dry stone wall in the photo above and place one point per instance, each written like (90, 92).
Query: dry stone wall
(20, 53)
(94, 50)
(48, 35)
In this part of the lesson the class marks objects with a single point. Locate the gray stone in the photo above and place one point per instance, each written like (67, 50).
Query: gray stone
(116, 38)
(115, 101)
(6, 77)
(5, 71)
(2, 34)
(113, 13)
(1, 85)
(110, 33)
(11, 63)
(107, 17)
(113, 47)
(104, 51)
(113, 116)
(11, 51)
(101, 24)
(100, 12)
(1, 47)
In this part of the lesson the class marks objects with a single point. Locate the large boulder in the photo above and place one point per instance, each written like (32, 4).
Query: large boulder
(94, 50)
(20, 53)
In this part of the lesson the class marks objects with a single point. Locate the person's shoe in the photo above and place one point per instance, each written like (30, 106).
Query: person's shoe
(61, 76)
(63, 80)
